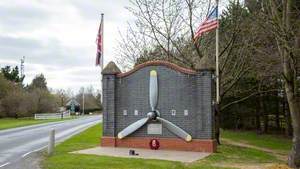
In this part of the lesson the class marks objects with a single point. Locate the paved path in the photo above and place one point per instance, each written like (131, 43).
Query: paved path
(182, 156)
(17, 143)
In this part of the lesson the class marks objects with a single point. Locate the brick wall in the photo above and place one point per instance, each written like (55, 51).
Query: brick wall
(178, 90)
(199, 145)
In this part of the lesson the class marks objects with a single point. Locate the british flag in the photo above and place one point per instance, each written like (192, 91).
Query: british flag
(210, 23)
(99, 42)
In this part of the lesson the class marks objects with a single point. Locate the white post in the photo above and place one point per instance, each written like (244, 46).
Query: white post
(217, 59)
(51, 143)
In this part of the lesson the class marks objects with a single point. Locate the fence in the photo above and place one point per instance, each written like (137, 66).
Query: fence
(52, 115)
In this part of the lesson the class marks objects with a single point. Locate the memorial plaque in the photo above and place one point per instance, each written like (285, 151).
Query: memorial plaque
(154, 129)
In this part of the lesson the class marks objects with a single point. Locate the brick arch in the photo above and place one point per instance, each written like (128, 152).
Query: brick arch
(158, 63)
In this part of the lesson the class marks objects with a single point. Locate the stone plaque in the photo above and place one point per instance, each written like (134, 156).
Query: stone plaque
(125, 112)
(186, 112)
(154, 129)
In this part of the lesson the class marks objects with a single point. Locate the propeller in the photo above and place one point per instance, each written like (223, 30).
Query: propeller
(175, 129)
(154, 114)
(133, 127)
(153, 90)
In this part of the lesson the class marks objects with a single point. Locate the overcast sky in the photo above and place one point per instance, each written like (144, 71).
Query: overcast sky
(57, 37)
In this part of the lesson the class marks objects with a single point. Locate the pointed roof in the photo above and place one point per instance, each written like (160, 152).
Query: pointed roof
(72, 102)
(111, 68)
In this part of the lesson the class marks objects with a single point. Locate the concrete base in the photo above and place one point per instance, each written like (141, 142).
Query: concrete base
(198, 145)
(182, 156)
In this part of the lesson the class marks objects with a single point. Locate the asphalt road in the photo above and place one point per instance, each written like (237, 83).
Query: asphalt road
(17, 143)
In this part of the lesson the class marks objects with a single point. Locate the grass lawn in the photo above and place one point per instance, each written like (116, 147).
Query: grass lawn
(7, 123)
(226, 155)
(273, 142)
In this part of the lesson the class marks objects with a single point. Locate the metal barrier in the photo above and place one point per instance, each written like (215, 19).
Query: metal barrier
(52, 115)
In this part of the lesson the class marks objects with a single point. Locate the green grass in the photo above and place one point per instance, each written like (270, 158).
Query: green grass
(265, 141)
(62, 159)
(7, 123)
(235, 154)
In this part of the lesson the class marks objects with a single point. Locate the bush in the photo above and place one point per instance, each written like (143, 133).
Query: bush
(46, 102)
(15, 101)
(12, 104)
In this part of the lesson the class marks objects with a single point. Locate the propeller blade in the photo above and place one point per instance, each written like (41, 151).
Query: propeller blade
(153, 89)
(175, 129)
(132, 127)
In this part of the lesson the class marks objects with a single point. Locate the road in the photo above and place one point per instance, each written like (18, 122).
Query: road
(17, 143)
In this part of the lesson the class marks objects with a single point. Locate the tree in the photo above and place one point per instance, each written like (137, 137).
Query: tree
(165, 26)
(62, 97)
(90, 99)
(12, 103)
(98, 99)
(5, 86)
(39, 82)
(12, 74)
(45, 101)
(282, 18)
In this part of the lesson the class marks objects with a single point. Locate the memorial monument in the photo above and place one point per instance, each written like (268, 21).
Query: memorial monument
(158, 105)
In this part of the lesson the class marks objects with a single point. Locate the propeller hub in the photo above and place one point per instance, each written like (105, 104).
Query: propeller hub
(153, 115)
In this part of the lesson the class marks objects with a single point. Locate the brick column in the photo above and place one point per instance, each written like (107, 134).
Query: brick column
(109, 91)
(205, 115)
(108, 105)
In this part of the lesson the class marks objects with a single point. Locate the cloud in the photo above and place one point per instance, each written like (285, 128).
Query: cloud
(114, 11)
(16, 18)
(58, 38)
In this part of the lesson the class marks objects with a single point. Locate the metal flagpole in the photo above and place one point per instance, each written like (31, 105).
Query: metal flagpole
(217, 58)
(102, 31)
(102, 54)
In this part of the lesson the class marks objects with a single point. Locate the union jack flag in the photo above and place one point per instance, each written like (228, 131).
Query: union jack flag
(210, 23)
(99, 42)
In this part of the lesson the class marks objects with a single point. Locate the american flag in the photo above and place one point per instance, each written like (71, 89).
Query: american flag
(210, 23)
(99, 42)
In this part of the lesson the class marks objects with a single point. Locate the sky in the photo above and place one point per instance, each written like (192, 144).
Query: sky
(57, 38)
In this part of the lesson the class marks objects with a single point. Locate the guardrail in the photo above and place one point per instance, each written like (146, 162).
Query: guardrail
(44, 116)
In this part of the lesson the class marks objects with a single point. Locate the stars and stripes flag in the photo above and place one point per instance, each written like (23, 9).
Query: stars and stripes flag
(210, 23)
(99, 42)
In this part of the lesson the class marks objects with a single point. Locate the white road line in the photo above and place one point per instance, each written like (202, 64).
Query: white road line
(4, 164)
(24, 155)
(36, 150)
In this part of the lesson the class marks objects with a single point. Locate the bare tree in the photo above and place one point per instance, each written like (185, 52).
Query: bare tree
(165, 30)
(282, 17)
(168, 25)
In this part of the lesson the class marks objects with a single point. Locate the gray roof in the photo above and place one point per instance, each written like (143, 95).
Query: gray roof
(72, 101)
(111, 68)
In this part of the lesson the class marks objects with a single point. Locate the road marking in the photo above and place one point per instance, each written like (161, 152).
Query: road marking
(24, 155)
(4, 164)
(39, 148)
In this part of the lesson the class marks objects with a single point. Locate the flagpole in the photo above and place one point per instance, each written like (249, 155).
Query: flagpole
(102, 54)
(102, 27)
(217, 59)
